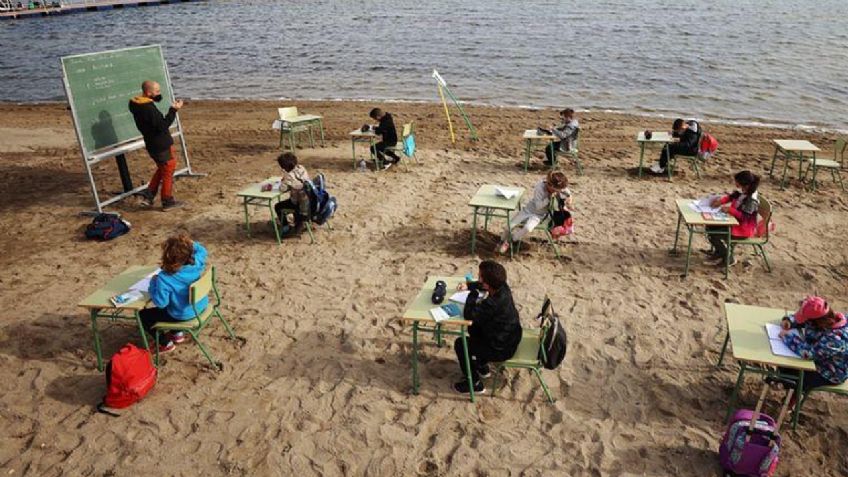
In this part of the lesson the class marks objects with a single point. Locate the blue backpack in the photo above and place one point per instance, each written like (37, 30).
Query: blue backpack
(322, 205)
(106, 227)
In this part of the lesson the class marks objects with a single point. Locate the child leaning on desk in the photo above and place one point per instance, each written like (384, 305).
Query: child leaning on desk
(555, 184)
(183, 262)
(823, 339)
(743, 204)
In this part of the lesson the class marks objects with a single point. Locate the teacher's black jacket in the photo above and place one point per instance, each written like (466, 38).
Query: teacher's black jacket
(153, 126)
(387, 130)
(495, 322)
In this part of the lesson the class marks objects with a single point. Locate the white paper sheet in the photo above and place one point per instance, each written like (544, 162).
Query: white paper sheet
(506, 193)
(778, 347)
(439, 314)
(460, 297)
(143, 285)
(703, 205)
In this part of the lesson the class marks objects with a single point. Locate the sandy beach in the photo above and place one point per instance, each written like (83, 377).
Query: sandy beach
(318, 380)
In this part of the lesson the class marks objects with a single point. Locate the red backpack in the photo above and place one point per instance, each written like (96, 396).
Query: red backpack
(129, 377)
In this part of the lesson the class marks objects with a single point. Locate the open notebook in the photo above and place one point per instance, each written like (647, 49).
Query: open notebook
(778, 347)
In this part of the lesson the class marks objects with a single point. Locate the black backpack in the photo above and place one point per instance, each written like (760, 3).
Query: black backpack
(555, 341)
(106, 227)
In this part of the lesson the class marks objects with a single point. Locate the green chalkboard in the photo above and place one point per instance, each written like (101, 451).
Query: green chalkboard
(99, 87)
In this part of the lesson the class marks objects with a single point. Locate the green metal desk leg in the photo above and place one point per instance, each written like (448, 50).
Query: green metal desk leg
(728, 255)
(353, 149)
(526, 154)
(291, 140)
(246, 217)
(798, 398)
(688, 250)
(815, 170)
(378, 164)
(723, 350)
(735, 393)
(96, 333)
(467, 362)
(677, 232)
(438, 332)
(800, 164)
(786, 159)
(641, 157)
(321, 127)
(509, 235)
(415, 357)
(474, 231)
(281, 137)
(274, 223)
(144, 341)
(311, 137)
(773, 160)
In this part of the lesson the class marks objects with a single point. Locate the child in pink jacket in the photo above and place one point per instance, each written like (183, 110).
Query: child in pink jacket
(743, 204)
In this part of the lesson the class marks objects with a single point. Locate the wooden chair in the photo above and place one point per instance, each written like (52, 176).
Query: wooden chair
(835, 166)
(408, 132)
(206, 284)
(285, 114)
(529, 355)
(758, 242)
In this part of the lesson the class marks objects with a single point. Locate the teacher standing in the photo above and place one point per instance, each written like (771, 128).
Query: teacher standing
(155, 128)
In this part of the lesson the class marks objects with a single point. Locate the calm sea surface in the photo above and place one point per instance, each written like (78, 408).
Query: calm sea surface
(773, 61)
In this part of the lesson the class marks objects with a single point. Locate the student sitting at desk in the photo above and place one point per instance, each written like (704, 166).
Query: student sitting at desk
(823, 339)
(688, 133)
(495, 330)
(743, 204)
(183, 262)
(565, 132)
(555, 183)
(293, 178)
(387, 130)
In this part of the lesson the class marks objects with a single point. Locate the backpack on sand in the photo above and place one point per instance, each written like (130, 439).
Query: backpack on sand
(707, 146)
(751, 444)
(106, 227)
(555, 341)
(130, 375)
(322, 205)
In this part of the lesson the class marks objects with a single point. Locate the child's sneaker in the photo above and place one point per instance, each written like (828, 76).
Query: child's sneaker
(462, 387)
(167, 347)
(178, 337)
(484, 371)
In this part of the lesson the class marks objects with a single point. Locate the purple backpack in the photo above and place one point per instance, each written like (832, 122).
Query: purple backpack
(751, 444)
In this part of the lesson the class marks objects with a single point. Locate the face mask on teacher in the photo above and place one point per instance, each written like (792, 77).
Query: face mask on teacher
(157, 98)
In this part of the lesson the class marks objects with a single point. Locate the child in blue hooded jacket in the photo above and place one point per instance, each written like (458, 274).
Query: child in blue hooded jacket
(183, 262)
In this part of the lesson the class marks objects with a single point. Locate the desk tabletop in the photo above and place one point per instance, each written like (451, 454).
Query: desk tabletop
(116, 286)
(656, 136)
(486, 197)
(746, 325)
(796, 145)
(534, 134)
(255, 190)
(358, 133)
(419, 308)
(695, 218)
(303, 118)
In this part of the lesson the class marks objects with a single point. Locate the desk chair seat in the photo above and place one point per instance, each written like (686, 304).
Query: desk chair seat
(526, 357)
(835, 165)
(408, 131)
(207, 284)
(758, 243)
(573, 153)
(287, 128)
(545, 226)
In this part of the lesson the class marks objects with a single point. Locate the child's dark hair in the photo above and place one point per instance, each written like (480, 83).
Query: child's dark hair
(567, 112)
(375, 113)
(288, 161)
(493, 273)
(678, 123)
(748, 180)
(827, 321)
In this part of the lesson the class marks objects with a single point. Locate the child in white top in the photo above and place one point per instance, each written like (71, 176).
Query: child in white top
(555, 184)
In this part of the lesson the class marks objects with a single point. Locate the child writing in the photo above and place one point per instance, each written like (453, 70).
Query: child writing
(389, 138)
(183, 262)
(566, 134)
(823, 338)
(743, 204)
(292, 182)
(554, 184)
